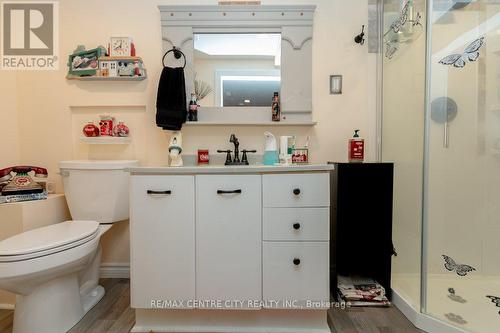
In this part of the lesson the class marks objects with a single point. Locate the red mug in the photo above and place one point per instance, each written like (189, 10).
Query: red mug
(203, 156)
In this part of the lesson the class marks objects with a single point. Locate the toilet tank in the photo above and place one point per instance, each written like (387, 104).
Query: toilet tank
(97, 190)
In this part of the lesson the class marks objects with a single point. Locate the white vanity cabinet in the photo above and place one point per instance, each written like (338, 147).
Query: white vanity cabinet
(219, 238)
(228, 238)
(162, 247)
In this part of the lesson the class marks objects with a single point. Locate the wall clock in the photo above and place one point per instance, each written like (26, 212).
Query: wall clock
(120, 46)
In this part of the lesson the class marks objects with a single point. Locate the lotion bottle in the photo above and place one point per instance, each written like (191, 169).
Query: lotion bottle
(356, 148)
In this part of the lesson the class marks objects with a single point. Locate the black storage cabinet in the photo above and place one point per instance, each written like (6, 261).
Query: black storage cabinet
(361, 222)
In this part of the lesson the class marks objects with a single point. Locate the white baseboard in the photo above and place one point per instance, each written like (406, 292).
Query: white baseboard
(421, 320)
(115, 270)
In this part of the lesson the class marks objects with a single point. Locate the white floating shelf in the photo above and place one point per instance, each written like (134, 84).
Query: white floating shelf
(250, 123)
(106, 78)
(106, 140)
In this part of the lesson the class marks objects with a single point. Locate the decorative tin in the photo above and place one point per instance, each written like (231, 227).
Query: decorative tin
(106, 125)
(121, 130)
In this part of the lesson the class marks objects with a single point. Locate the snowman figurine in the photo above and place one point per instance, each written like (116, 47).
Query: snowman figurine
(175, 149)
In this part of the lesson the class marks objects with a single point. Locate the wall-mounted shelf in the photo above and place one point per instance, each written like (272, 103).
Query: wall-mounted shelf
(106, 140)
(106, 78)
(98, 77)
(120, 58)
(256, 123)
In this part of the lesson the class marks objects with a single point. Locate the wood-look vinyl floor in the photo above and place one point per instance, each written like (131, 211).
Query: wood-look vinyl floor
(114, 315)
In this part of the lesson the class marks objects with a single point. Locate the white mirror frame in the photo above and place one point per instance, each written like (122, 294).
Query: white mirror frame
(295, 23)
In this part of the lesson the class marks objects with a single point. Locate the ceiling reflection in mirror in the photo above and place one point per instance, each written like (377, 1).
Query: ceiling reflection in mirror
(237, 69)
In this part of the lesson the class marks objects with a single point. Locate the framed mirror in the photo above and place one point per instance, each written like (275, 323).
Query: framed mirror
(237, 69)
(239, 56)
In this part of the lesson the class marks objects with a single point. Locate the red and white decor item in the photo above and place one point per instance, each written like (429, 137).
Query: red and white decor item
(356, 147)
(106, 125)
(203, 156)
(300, 156)
(90, 129)
(106, 128)
(121, 130)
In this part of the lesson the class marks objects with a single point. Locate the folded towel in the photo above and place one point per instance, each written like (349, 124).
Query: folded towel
(171, 104)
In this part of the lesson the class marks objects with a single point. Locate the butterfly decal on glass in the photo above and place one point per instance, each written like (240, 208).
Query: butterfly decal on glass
(398, 24)
(416, 20)
(390, 49)
(452, 265)
(471, 53)
(454, 297)
(496, 300)
(455, 318)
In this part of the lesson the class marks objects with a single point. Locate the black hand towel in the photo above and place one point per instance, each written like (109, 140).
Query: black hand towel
(171, 105)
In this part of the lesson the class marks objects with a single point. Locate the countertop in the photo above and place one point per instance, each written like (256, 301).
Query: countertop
(221, 169)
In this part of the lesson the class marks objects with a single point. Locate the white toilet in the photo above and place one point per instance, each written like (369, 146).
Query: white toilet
(54, 270)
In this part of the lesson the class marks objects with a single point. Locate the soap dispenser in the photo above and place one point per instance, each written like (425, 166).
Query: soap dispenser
(271, 150)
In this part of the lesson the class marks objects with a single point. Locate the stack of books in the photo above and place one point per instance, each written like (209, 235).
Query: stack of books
(361, 291)
(22, 197)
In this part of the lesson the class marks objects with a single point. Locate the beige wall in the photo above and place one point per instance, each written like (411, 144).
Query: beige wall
(9, 149)
(52, 110)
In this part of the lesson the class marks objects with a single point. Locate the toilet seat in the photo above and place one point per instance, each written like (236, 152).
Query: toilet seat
(47, 240)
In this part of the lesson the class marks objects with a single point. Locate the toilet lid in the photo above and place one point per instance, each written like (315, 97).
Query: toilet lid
(48, 239)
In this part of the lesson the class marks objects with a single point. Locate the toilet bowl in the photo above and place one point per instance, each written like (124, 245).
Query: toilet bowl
(54, 270)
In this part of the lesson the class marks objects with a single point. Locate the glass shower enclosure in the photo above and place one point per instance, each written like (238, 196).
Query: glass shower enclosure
(441, 128)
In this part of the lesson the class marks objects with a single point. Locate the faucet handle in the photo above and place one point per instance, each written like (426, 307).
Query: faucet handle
(228, 156)
(244, 158)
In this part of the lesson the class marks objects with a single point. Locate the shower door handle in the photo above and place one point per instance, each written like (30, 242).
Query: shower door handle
(446, 136)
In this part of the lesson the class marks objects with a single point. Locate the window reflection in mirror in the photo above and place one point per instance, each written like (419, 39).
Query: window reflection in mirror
(237, 69)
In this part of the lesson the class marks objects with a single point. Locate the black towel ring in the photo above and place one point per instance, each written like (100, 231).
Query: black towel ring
(177, 55)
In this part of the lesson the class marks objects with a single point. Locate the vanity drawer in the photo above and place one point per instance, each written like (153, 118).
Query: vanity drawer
(296, 190)
(295, 273)
(296, 224)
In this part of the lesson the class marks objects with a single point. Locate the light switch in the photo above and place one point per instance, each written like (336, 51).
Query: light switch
(335, 84)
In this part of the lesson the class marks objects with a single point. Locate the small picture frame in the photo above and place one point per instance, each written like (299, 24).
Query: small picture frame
(335, 84)
(85, 62)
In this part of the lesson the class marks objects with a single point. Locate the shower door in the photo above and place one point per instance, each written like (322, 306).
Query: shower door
(403, 136)
(461, 247)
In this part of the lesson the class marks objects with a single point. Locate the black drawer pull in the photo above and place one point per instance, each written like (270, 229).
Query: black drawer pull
(296, 261)
(228, 192)
(296, 226)
(296, 191)
(159, 192)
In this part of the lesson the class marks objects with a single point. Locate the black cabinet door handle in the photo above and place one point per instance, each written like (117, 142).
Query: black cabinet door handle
(296, 261)
(296, 226)
(296, 191)
(229, 192)
(159, 192)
